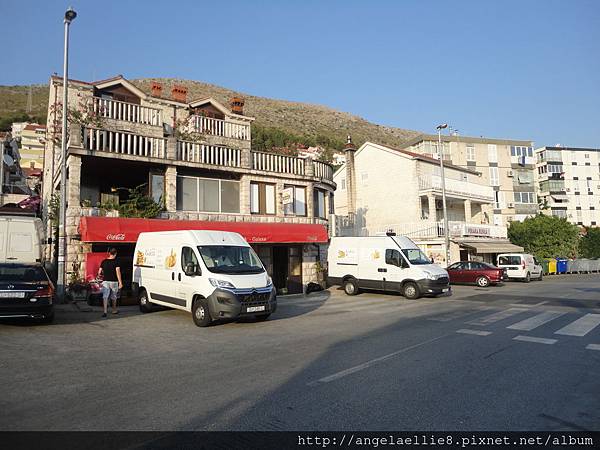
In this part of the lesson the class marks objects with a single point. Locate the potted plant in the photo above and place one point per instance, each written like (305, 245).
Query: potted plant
(77, 288)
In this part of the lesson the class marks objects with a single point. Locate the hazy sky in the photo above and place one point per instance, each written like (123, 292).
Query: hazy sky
(509, 69)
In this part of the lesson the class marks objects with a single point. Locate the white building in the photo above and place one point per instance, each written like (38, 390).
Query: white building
(381, 188)
(569, 183)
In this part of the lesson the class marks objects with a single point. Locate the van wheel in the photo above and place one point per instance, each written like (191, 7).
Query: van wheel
(145, 305)
(350, 287)
(541, 277)
(411, 291)
(482, 281)
(527, 277)
(262, 317)
(201, 313)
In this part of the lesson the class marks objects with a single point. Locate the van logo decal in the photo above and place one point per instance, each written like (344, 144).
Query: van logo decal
(11, 286)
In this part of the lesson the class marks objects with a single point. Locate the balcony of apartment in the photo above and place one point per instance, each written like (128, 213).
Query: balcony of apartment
(124, 145)
(552, 186)
(126, 112)
(456, 189)
(219, 127)
(435, 229)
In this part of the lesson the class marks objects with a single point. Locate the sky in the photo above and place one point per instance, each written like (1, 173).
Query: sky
(515, 69)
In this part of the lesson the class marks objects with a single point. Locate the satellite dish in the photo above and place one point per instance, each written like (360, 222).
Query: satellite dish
(8, 160)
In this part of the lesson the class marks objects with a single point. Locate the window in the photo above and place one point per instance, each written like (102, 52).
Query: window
(492, 153)
(587, 156)
(392, 257)
(294, 201)
(555, 168)
(207, 195)
(509, 261)
(157, 187)
(525, 177)
(262, 198)
(525, 197)
(498, 200)
(364, 177)
(579, 215)
(319, 203)
(470, 153)
(559, 213)
(521, 151)
(494, 178)
(343, 184)
(188, 257)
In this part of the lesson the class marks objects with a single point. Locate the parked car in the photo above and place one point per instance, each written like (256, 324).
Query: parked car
(26, 292)
(480, 273)
(521, 266)
(384, 263)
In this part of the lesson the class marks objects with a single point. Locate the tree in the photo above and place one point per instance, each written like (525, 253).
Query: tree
(589, 245)
(545, 236)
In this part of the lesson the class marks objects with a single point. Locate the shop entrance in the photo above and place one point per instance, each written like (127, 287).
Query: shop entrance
(287, 269)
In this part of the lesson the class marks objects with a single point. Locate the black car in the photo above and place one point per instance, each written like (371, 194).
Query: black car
(26, 291)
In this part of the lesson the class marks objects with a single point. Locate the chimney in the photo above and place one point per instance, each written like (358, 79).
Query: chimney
(179, 93)
(349, 150)
(156, 89)
(237, 105)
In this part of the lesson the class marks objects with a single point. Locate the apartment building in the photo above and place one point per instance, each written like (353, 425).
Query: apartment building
(382, 189)
(507, 166)
(569, 183)
(195, 158)
(33, 141)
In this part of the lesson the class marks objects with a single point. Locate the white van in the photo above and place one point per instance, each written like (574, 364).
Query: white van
(384, 263)
(521, 266)
(20, 239)
(212, 274)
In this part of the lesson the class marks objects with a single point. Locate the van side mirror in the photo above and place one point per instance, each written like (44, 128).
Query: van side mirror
(191, 270)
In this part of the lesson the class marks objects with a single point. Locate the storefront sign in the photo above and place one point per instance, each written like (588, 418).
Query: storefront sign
(476, 231)
(115, 237)
(287, 196)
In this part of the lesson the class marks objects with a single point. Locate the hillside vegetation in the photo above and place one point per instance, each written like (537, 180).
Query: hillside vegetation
(279, 123)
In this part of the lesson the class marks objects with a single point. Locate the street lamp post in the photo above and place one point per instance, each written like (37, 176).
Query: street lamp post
(441, 156)
(70, 15)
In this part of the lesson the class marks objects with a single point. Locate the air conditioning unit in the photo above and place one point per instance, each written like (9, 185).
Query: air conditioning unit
(509, 173)
(510, 205)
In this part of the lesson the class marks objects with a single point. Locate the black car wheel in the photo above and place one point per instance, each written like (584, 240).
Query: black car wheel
(482, 281)
(411, 291)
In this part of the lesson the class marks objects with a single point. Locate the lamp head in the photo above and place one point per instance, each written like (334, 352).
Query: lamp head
(70, 15)
(442, 126)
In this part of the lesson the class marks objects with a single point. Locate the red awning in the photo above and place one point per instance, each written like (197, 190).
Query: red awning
(116, 229)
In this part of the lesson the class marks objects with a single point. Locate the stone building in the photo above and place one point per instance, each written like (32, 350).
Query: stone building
(195, 158)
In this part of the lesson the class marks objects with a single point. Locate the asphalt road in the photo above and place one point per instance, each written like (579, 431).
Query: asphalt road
(513, 357)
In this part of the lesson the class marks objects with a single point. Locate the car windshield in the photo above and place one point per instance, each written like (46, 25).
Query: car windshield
(230, 259)
(514, 260)
(22, 273)
(416, 256)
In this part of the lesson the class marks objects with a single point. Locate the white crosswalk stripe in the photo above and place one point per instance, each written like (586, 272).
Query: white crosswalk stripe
(593, 347)
(581, 326)
(536, 321)
(476, 332)
(496, 317)
(535, 339)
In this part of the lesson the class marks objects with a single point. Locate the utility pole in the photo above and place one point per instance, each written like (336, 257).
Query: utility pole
(441, 156)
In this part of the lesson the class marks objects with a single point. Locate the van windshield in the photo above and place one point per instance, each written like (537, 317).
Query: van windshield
(230, 259)
(416, 256)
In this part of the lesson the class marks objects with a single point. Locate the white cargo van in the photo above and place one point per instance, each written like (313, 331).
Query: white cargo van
(521, 266)
(20, 239)
(212, 274)
(384, 263)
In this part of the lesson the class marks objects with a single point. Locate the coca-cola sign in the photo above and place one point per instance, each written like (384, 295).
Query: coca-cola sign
(115, 237)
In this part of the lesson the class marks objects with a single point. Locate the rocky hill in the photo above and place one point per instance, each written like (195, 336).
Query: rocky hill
(301, 120)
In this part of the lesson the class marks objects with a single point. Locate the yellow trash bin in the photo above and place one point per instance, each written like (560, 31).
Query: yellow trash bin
(552, 266)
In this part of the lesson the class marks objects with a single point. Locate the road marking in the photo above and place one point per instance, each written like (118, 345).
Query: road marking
(501, 315)
(536, 321)
(368, 364)
(581, 326)
(477, 332)
(525, 305)
(535, 339)
(593, 347)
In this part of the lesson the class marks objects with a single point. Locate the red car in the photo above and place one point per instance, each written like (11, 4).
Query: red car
(480, 273)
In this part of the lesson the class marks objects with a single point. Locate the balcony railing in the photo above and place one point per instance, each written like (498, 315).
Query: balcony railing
(272, 162)
(218, 127)
(124, 143)
(208, 154)
(130, 112)
(323, 170)
(457, 187)
(429, 229)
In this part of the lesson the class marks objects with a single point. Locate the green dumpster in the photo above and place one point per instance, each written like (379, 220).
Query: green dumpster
(545, 266)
